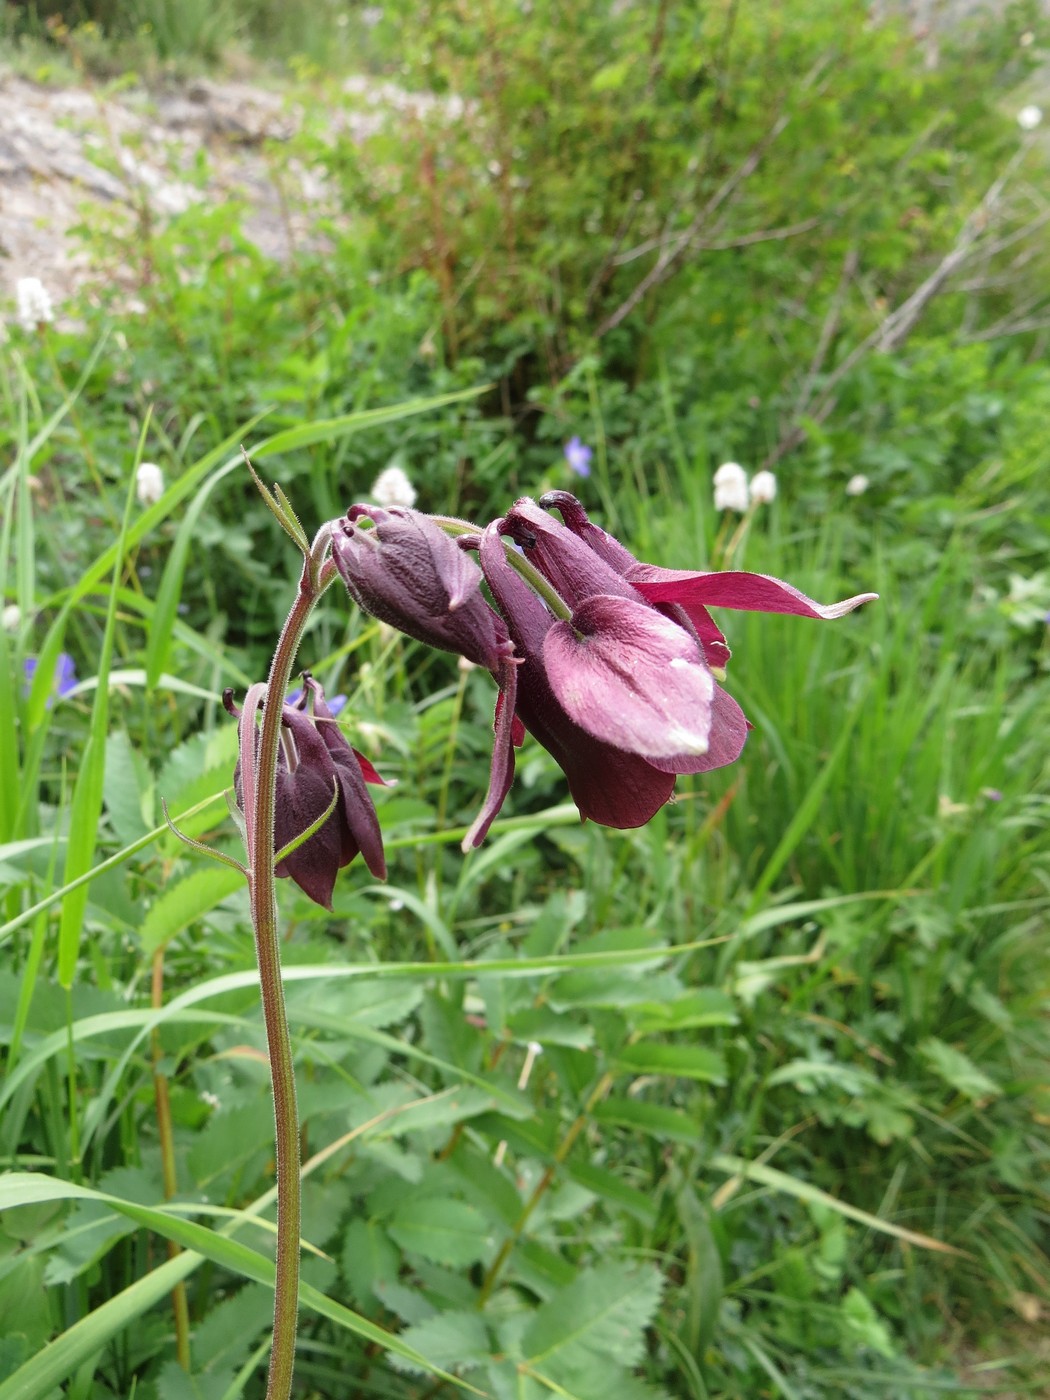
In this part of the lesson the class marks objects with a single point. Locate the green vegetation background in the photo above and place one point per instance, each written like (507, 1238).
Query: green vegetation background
(785, 1133)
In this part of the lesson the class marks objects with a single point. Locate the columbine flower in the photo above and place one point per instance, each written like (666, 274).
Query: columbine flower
(730, 482)
(314, 762)
(393, 488)
(64, 680)
(578, 455)
(11, 618)
(34, 303)
(409, 573)
(149, 483)
(857, 485)
(763, 488)
(1028, 118)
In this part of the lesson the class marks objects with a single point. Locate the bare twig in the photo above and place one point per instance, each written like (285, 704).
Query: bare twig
(677, 246)
(894, 329)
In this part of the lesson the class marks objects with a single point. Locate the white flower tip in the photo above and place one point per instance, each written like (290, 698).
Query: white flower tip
(763, 488)
(730, 482)
(149, 483)
(729, 472)
(34, 303)
(1028, 118)
(11, 618)
(393, 488)
(857, 485)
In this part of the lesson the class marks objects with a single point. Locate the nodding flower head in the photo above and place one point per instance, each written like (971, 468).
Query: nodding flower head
(409, 573)
(612, 664)
(314, 764)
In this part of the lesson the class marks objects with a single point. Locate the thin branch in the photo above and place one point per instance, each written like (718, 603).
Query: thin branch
(743, 240)
(678, 246)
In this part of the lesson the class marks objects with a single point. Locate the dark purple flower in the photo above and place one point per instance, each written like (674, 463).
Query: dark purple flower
(409, 573)
(609, 785)
(687, 594)
(578, 455)
(315, 761)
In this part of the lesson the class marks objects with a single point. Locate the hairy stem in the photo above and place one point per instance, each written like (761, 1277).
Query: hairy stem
(259, 794)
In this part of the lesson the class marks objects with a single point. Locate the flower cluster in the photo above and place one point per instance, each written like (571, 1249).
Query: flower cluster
(733, 491)
(613, 665)
(318, 772)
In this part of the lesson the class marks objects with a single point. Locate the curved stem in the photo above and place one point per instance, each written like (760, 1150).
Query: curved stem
(259, 792)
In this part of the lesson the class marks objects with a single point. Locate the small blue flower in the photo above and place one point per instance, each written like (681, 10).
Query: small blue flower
(578, 455)
(65, 678)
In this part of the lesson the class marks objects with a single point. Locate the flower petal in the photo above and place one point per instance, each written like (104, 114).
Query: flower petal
(609, 786)
(502, 772)
(409, 573)
(729, 730)
(573, 569)
(631, 677)
(733, 589)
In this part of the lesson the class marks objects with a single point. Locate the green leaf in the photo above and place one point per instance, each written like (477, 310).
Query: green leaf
(692, 1011)
(442, 1229)
(603, 1313)
(680, 1061)
(126, 780)
(457, 1341)
(57, 1361)
(183, 903)
(368, 1258)
(958, 1070)
(664, 1124)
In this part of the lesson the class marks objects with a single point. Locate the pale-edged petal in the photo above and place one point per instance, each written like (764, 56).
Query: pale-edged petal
(632, 677)
(729, 730)
(733, 589)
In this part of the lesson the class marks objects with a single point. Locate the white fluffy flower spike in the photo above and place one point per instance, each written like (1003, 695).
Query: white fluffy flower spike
(763, 488)
(1028, 118)
(149, 483)
(857, 485)
(393, 488)
(730, 482)
(34, 303)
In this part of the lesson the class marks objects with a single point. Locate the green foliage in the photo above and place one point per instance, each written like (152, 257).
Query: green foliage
(746, 1102)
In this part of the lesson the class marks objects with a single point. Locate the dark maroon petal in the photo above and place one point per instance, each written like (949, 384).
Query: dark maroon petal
(632, 677)
(409, 573)
(732, 589)
(606, 546)
(729, 730)
(608, 786)
(302, 796)
(502, 773)
(369, 773)
(572, 568)
(356, 817)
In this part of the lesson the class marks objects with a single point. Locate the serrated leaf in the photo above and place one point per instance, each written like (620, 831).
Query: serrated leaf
(187, 901)
(958, 1070)
(125, 781)
(368, 1258)
(680, 1061)
(602, 1314)
(455, 1341)
(442, 1229)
